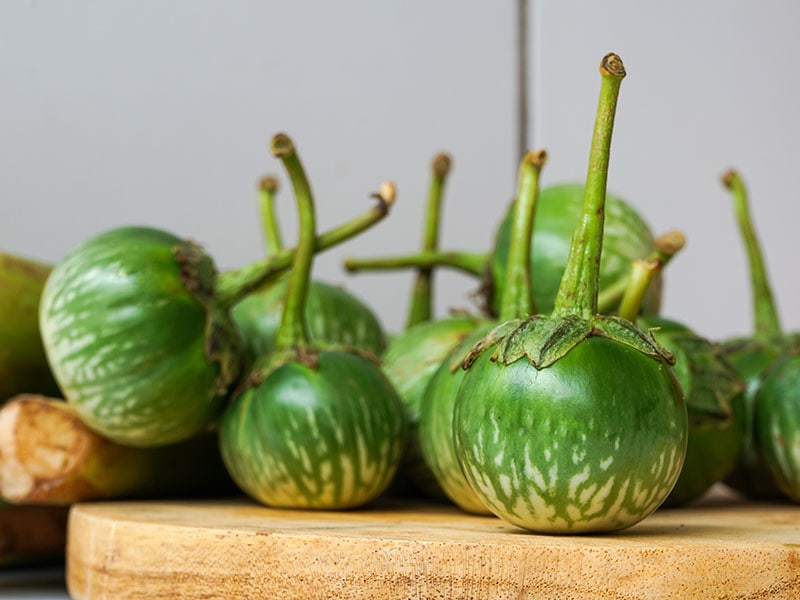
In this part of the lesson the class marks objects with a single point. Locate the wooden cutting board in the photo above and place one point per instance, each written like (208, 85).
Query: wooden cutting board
(397, 550)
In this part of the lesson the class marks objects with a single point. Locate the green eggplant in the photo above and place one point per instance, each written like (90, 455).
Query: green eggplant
(710, 386)
(23, 364)
(436, 439)
(410, 362)
(436, 431)
(333, 314)
(136, 337)
(413, 355)
(777, 418)
(572, 422)
(769, 409)
(312, 426)
(137, 330)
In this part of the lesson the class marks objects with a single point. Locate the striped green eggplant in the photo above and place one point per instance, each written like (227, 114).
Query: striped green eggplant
(769, 460)
(326, 433)
(136, 338)
(311, 426)
(751, 359)
(777, 422)
(436, 411)
(573, 422)
(410, 362)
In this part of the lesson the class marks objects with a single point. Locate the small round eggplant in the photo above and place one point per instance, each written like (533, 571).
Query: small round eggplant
(573, 422)
(311, 426)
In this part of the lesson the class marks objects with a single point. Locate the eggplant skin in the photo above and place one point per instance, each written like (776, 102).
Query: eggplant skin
(777, 424)
(329, 436)
(592, 443)
(410, 362)
(127, 322)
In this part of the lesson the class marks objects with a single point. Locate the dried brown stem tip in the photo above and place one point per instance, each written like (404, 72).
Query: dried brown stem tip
(652, 265)
(441, 164)
(728, 178)
(671, 242)
(612, 65)
(386, 194)
(537, 158)
(282, 145)
(269, 184)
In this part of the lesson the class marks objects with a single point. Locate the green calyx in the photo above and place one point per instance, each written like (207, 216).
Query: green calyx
(305, 355)
(543, 340)
(707, 379)
(222, 342)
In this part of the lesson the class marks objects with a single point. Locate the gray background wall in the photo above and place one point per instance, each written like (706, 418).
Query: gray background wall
(160, 113)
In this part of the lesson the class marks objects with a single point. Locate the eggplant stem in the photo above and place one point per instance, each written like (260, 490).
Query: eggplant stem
(577, 294)
(420, 308)
(233, 286)
(518, 296)
(471, 263)
(293, 330)
(767, 323)
(642, 273)
(267, 188)
(667, 246)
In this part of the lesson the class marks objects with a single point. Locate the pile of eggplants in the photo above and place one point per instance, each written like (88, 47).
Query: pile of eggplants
(137, 328)
(561, 402)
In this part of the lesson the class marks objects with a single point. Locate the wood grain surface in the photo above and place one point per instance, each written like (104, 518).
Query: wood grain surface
(722, 548)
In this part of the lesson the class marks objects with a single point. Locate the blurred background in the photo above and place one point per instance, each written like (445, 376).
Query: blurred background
(160, 113)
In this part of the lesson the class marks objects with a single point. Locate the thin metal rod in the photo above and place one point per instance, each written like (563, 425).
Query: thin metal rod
(522, 78)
